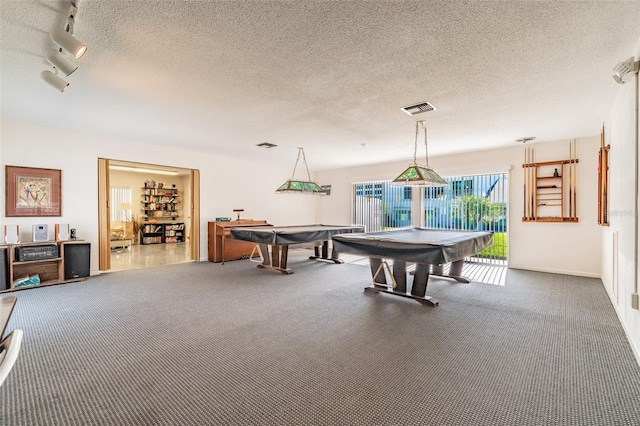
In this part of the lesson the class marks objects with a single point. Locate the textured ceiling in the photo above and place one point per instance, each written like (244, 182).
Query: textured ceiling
(223, 76)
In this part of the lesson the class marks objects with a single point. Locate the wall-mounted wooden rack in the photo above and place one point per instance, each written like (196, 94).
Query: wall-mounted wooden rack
(550, 188)
(603, 182)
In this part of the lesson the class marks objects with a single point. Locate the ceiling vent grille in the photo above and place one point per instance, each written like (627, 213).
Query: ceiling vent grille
(525, 139)
(419, 108)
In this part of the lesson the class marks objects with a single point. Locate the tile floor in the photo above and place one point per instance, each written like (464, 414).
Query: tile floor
(144, 256)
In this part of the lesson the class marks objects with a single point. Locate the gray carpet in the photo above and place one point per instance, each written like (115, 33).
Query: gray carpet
(211, 344)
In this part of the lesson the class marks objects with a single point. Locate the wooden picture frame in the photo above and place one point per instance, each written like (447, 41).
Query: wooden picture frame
(32, 192)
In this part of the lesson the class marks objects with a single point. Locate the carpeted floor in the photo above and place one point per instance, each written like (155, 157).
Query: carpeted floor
(211, 344)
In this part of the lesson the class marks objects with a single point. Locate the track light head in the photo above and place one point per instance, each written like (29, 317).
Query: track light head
(60, 61)
(54, 80)
(69, 43)
(624, 68)
(617, 79)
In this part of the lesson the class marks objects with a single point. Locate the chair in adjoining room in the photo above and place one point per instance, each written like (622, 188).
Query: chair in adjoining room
(9, 349)
(122, 235)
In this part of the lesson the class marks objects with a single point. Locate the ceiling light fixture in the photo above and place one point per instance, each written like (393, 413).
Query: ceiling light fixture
(416, 175)
(55, 81)
(624, 68)
(58, 60)
(65, 39)
(300, 186)
(67, 42)
(144, 170)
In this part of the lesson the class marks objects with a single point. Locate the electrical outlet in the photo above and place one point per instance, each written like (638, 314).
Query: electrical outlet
(635, 301)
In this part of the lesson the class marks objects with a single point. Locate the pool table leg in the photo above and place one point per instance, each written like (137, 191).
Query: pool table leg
(325, 253)
(455, 271)
(418, 289)
(277, 260)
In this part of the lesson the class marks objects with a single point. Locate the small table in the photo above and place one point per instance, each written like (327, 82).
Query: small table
(6, 308)
(281, 237)
(429, 249)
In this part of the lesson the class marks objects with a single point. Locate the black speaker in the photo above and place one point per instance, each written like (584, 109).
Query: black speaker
(77, 260)
(4, 268)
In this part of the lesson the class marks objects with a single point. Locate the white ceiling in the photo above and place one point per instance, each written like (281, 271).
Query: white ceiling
(329, 76)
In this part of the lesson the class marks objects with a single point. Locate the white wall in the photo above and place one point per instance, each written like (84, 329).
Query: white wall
(567, 248)
(620, 272)
(223, 188)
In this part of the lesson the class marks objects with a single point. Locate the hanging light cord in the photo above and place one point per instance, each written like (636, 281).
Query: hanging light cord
(304, 160)
(415, 144)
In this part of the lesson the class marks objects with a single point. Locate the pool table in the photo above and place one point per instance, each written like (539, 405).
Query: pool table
(429, 249)
(281, 237)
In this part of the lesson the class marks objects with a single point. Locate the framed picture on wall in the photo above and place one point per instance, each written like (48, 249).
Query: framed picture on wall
(32, 192)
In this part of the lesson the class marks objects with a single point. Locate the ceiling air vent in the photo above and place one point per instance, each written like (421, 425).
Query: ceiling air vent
(525, 139)
(266, 145)
(419, 108)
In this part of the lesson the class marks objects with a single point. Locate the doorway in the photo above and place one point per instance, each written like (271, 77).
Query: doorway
(148, 215)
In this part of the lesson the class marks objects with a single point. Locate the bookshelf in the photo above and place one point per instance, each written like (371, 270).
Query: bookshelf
(160, 201)
(162, 233)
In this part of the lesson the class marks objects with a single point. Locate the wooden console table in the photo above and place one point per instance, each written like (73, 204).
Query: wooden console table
(50, 270)
(222, 248)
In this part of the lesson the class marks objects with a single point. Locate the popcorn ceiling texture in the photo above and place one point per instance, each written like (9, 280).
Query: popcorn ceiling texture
(330, 76)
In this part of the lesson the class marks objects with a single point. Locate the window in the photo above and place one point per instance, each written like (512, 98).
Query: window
(120, 196)
(380, 206)
(407, 192)
(462, 187)
(435, 192)
(477, 202)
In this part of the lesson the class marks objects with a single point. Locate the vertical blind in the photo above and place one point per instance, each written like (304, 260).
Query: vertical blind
(468, 202)
(120, 195)
(381, 206)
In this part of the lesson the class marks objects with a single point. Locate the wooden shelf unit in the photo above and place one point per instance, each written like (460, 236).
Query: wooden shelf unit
(51, 271)
(160, 201)
(546, 196)
(173, 233)
(161, 233)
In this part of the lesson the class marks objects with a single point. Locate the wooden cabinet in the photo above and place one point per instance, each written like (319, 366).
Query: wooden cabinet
(222, 248)
(50, 271)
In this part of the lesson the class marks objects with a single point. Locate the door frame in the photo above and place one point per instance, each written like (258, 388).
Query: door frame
(104, 220)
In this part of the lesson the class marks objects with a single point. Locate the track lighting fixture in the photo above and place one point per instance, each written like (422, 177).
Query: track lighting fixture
(60, 61)
(624, 68)
(66, 41)
(54, 80)
(69, 43)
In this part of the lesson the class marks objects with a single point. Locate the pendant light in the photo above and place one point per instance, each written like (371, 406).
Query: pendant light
(300, 186)
(416, 175)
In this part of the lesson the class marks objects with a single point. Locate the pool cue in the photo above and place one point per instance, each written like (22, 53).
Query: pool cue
(524, 185)
(575, 179)
(534, 186)
(573, 184)
(570, 181)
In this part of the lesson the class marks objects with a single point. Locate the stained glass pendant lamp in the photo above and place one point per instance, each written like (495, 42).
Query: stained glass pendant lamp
(416, 175)
(294, 186)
